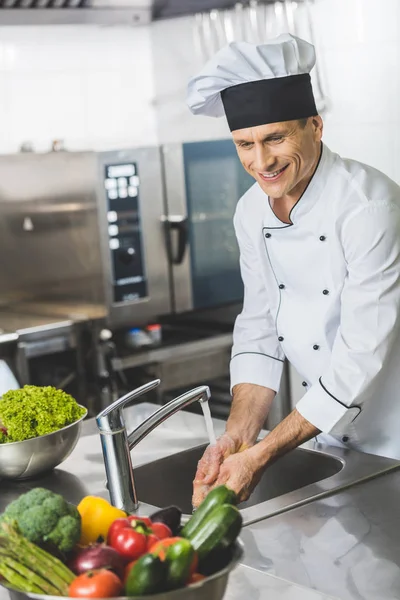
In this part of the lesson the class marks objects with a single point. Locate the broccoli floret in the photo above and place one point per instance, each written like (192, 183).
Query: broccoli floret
(63, 533)
(33, 411)
(45, 517)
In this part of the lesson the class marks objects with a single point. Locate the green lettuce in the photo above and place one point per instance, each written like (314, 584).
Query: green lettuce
(34, 411)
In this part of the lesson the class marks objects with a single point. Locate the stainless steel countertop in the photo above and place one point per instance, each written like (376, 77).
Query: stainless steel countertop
(347, 545)
(343, 545)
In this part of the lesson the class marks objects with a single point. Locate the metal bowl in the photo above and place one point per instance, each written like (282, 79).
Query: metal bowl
(212, 588)
(24, 460)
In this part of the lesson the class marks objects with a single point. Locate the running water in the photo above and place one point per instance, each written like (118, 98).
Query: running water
(209, 423)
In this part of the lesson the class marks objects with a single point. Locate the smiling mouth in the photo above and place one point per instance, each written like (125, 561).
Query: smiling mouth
(274, 175)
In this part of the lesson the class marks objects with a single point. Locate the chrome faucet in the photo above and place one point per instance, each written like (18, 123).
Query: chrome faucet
(117, 444)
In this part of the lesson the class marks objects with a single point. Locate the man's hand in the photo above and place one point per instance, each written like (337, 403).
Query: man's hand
(209, 466)
(250, 406)
(241, 473)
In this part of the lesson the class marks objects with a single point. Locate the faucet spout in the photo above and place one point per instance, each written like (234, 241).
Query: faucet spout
(116, 444)
(199, 394)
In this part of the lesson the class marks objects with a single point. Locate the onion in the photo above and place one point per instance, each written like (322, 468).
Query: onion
(97, 556)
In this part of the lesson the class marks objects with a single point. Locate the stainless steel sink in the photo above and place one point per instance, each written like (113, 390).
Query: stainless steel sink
(297, 478)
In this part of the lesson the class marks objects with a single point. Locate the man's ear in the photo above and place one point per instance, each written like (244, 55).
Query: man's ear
(318, 127)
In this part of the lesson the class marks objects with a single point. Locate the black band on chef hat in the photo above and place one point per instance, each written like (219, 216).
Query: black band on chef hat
(269, 101)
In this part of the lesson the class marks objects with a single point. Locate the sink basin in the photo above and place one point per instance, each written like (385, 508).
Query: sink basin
(299, 477)
(170, 479)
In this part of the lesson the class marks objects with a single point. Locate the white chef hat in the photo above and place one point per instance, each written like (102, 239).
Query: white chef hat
(255, 85)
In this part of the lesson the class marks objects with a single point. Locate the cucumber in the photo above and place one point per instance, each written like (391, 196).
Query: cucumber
(218, 531)
(218, 496)
(179, 560)
(147, 576)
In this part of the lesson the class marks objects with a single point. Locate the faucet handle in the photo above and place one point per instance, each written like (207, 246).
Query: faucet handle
(110, 418)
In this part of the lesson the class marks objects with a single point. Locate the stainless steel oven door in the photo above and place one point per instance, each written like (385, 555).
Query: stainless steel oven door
(135, 265)
(204, 181)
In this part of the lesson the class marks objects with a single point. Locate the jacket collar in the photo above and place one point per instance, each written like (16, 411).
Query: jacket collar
(310, 196)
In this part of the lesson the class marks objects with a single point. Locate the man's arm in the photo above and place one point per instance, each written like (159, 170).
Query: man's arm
(242, 472)
(250, 407)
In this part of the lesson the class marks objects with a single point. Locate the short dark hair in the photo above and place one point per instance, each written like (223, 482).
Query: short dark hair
(303, 123)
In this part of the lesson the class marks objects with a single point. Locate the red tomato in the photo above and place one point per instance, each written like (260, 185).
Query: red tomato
(130, 544)
(145, 520)
(161, 530)
(100, 583)
(151, 541)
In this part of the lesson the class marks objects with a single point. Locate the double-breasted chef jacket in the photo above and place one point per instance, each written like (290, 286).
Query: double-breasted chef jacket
(324, 292)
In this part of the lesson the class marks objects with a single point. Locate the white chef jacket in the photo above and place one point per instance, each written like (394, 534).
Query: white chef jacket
(324, 292)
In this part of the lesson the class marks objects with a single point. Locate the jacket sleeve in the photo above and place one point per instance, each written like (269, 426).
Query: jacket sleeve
(256, 354)
(369, 320)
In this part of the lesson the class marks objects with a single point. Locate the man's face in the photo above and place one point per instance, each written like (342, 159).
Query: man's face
(280, 156)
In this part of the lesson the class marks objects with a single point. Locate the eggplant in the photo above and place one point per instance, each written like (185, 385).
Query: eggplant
(170, 516)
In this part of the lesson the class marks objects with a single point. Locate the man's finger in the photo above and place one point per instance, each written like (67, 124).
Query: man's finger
(201, 472)
(214, 461)
(199, 493)
(223, 478)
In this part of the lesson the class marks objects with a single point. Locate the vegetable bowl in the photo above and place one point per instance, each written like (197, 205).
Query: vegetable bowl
(95, 550)
(211, 588)
(33, 457)
(39, 428)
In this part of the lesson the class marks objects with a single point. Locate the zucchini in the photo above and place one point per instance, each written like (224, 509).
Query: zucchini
(218, 531)
(179, 561)
(170, 516)
(217, 496)
(147, 576)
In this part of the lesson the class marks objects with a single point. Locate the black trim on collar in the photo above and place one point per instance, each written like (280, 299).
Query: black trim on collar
(284, 226)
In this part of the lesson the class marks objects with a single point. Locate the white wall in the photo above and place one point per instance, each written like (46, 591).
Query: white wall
(91, 86)
(360, 45)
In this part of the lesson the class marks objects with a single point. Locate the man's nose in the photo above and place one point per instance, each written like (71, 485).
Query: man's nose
(263, 159)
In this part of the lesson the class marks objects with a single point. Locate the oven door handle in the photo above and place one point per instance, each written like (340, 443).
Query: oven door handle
(177, 223)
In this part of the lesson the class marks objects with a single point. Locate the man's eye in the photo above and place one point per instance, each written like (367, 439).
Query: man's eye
(246, 145)
(277, 138)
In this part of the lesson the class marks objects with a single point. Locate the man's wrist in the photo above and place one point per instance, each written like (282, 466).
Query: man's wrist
(261, 455)
(239, 438)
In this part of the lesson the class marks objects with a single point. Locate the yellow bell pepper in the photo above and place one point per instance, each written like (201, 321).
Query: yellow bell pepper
(97, 515)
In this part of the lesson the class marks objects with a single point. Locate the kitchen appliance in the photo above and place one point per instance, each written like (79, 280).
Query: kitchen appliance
(81, 237)
(88, 235)
(203, 182)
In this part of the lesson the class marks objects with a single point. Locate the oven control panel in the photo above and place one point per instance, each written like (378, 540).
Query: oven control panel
(122, 187)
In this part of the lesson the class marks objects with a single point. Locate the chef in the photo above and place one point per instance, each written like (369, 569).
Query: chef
(319, 239)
